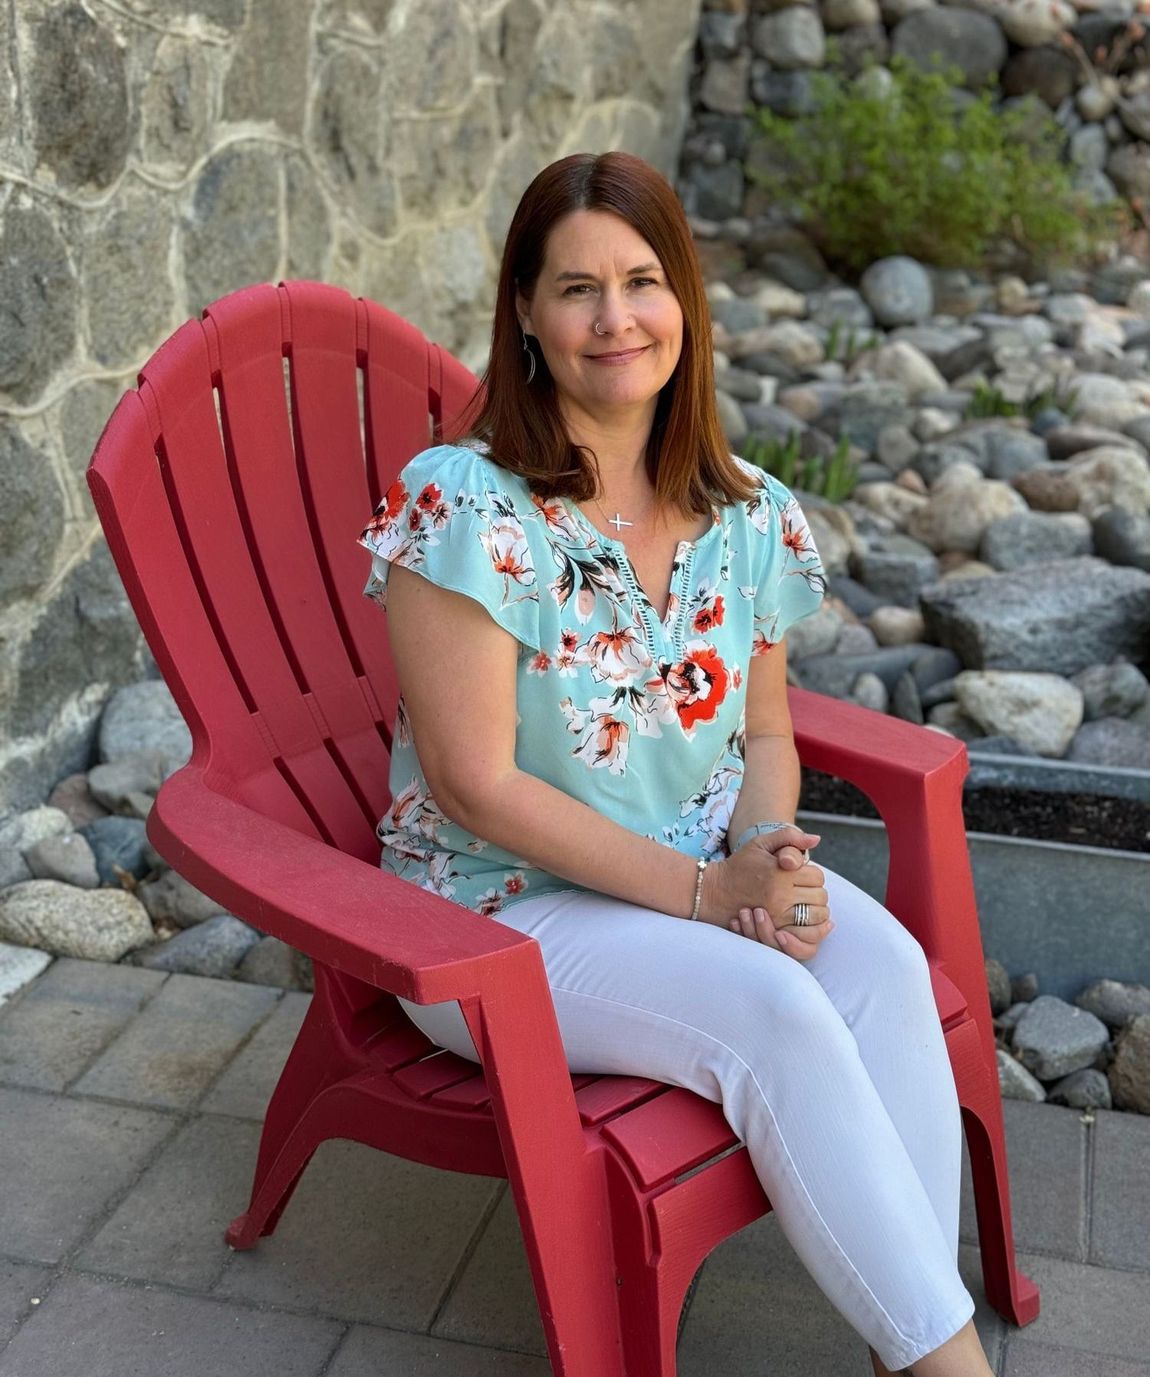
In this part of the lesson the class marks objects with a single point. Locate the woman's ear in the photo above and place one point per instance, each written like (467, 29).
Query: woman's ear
(523, 312)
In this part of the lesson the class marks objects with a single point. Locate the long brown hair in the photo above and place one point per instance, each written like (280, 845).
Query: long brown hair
(688, 458)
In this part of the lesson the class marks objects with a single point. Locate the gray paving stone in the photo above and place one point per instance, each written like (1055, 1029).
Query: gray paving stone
(1120, 1217)
(246, 1086)
(1046, 1159)
(366, 1237)
(757, 1308)
(66, 1018)
(1091, 1309)
(61, 1161)
(93, 1328)
(19, 1283)
(494, 1301)
(379, 1352)
(1026, 1359)
(170, 1226)
(173, 1051)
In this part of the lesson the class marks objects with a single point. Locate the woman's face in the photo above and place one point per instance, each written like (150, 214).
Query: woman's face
(598, 269)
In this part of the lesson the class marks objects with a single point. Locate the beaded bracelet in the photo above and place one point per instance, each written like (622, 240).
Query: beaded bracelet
(700, 865)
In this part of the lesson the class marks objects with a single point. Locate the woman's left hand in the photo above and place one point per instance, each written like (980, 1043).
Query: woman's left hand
(803, 941)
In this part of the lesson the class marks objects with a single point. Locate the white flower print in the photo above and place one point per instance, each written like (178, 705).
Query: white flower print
(507, 548)
(603, 738)
(618, 656)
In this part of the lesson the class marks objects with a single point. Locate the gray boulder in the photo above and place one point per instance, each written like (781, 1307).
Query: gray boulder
(142, 717)
(1065, 615)
(1123, 537)
(948, 36)
(1053, 1038)
(24, 830)
(836, 674)
(169, 896)
(898, 291)
(1111, 741)
(1085, 1089)
(67, 858)
(1114, 690)
(1015, 1082)
(1029, 537)
(1115, 1002)
(91, 924)
(272, 962)
(118, 844)
(896, 568)
(213, 948)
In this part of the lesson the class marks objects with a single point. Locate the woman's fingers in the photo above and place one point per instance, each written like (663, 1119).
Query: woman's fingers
(802, 943)
(757, 925)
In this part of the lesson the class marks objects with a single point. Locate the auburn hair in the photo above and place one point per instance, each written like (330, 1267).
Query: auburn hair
(688, 458)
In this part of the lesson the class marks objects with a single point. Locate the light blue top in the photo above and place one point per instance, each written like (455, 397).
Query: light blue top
(641, 719)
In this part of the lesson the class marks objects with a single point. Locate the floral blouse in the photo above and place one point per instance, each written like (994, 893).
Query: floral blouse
(641, 718)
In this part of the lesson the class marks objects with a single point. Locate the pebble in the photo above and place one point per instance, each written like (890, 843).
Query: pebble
(91, 924)
(212, 948)
(1115, 1002)
(118, 846)
(66, 857)
(1054, 1038)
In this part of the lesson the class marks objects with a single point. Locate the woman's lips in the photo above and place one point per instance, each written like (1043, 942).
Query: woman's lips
(618, 358)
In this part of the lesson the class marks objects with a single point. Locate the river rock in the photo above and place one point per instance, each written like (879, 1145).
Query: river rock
(1104, 400)
(1015, 1082)
(836, 674)
(792, 37)
(964, 38)
(169, 896)
(1066, 614)
(73, 796)
(272, 962)
(897, 626)
(960, 510)
(1114, 690)
(1085, 1089)
(144, 717)
(901, 363)
(1110, 477)
(1039, 711)
(212, 948)
(118, 845)
(66, 857)
(1123, 537)
(22, 831)
(1111, 741)
(898, 290)
(998, 985)
(896, 568)
(1053, 1038)
(1115, 1002)
(91, 924)
(118, 783)
(817, 634)
(1029, 537)
(1064, 442)
(1129, 1073)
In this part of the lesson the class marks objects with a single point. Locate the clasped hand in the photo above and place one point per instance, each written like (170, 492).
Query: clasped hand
(762, 882)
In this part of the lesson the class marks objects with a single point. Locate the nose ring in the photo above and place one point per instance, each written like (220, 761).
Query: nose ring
(598, 331)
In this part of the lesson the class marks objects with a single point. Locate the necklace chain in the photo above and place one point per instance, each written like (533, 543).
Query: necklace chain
(616, 521)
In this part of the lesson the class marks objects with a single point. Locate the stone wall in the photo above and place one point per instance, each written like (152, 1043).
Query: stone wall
(155, 154)
(1086, 61)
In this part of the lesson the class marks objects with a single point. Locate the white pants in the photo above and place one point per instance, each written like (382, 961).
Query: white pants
(833, 1072)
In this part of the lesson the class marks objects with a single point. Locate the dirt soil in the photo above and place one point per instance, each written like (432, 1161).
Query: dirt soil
(1080, 819)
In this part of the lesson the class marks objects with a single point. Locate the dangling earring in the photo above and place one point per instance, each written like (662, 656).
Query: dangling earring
(530, 357)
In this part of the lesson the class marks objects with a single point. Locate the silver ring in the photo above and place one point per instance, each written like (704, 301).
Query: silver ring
(598, 331)
(803, 916)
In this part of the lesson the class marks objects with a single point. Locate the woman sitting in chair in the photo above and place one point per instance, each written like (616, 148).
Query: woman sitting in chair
(587, 605)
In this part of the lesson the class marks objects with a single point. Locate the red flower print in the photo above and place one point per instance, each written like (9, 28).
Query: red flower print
(393, 503)
(569, 641)
(540, 663)
(507, 548)
(414, 517)
(515, 884)
(490, 903)
(697, 685)
(708, 617)
(429, 497)
(760, 645)
(737, 677)
(796, 535)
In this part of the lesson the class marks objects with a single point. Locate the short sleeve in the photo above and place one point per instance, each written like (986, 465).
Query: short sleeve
(451, 516)
(790, 581)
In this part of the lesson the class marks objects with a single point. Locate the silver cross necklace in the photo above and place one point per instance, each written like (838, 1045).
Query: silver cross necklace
(616, 520)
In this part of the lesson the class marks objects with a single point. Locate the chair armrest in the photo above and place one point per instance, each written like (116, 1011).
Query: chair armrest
(340, 910)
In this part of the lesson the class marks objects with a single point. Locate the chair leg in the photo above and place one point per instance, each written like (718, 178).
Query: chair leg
(284, 1152)
(1008, 1290)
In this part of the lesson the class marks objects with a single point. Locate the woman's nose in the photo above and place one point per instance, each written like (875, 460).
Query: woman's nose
(614, 313)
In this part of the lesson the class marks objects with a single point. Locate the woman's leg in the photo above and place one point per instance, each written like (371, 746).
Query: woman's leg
(639, 993)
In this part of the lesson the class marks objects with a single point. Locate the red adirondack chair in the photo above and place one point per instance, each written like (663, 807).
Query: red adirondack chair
(231, 487)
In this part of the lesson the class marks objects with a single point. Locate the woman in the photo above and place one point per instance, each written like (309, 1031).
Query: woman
(587, 609)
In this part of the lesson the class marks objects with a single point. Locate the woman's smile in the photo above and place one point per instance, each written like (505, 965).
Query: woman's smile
(618, 357)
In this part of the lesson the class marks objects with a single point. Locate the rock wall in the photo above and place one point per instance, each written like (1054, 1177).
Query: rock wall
(155, 154)
(1087, 61)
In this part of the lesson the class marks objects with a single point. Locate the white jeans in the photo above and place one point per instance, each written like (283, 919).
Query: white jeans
(833, 1072)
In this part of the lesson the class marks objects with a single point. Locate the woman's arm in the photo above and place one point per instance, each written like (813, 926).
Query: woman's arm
(456, 670)
(770, 787)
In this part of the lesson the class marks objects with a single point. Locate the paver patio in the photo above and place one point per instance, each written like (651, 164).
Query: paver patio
(130, 1105)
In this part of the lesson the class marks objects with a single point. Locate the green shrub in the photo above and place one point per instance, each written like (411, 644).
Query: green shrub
(831, 476)
(988, 400)
(921, 169)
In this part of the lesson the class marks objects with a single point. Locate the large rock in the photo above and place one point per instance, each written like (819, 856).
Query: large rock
(22, 831)
(1027, 537)
(1114, 690)
(1129, 1073)
(169, 896)
(950, 36)
(32, 514)
(213, 948)
(1015, 1082)
(1039, 711)
(836, 674)
(959, 512)
(898, 290)
(896, 568)
(78, 96)
(1111, 741)
(900, 362)
(1053, 1038)
(272, 962)
(790, 38)
(1110, 476)
(67, 858)
(40, 296)
(120, 848)
(1115, 1002)
(1046, 72)
(1065, 615)
(175, 107)
(144, 717)
(1123, 537)
(865, 410)
(91, 924)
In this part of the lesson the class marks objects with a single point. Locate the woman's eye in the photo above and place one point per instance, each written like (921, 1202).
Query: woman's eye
(577, 289)
(643, 282)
